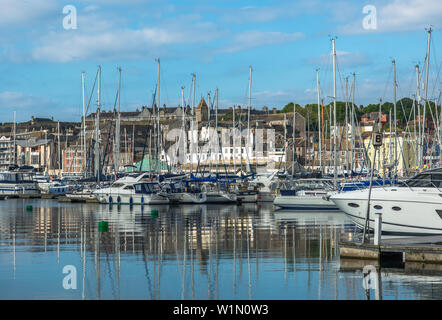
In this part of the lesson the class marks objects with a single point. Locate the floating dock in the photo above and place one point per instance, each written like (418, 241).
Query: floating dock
(49, 196)
(64, 199)
(422, 249)
(29, 196)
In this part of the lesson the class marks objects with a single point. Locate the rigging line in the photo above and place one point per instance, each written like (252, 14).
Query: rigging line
(383, 97)
(400, 144)
(92, 91)
(340, 79)
(326, 87)
(436, 80)
(164, 85)
(411, 90)
(435, 62)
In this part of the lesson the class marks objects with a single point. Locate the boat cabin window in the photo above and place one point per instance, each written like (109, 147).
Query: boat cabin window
(420, 181)
(117, 185)
(16, 177)
(128, 187)
(436, 179)
(426, 180)
(146, 188)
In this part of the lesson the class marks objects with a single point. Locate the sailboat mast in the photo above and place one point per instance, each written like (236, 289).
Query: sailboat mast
(346, 125)
(233, 140)
(427, 64)
(192, 143)
(293, 138)
(97, 130)
(133, 144)
(418, 103)
(352, 123)
(324, 128)
(248, 118)
(319, 121)
(15, 141)
(158, 123)
(335, 172)
(183, 124)
(440, 126)
(83, 124)
(117, 129)
(59, 155)
(394, 117)
(216, 131)
(210, 155)
(285, 141)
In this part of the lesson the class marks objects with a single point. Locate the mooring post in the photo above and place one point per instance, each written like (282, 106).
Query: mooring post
(377, 142)
(377, 228)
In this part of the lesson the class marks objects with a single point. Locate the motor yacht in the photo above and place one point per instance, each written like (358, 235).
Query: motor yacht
(183, 192)
(131, 190)
(306, 195)
(412, 207)
(14, 183)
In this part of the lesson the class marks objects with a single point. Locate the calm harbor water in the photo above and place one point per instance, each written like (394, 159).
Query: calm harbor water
(184, 252)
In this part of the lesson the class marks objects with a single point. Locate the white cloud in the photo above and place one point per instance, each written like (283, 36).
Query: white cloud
(252, 14)
(399, 15)
(24, 13)
(280, 10)
(120, 43)
(26, 105)
(252, 39)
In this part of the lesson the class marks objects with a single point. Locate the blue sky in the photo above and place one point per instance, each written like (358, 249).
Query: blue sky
(284, 42)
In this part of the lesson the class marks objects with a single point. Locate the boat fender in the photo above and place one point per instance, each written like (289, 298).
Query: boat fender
(110, 199)
(131, 201)
(142, 199)
(118, 199)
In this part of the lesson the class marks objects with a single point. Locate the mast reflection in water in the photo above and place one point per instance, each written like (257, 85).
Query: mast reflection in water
(181, 252)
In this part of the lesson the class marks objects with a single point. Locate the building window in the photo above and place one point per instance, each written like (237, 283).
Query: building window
(35, 159)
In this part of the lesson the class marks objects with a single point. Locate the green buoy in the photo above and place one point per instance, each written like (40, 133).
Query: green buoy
(154, 213)
(103, 226)
(29, 208)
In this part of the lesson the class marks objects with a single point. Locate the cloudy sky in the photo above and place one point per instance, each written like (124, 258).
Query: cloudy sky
(284, 41)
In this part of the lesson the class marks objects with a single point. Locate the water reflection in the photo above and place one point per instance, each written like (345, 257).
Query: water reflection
(181, 252)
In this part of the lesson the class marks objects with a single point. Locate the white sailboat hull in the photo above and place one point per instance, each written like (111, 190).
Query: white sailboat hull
(304, 202)
(247, 198)
(186, 198)
(220, 197)
(119, 196)
(265, 197)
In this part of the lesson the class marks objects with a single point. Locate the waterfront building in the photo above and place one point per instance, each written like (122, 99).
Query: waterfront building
(6, 152)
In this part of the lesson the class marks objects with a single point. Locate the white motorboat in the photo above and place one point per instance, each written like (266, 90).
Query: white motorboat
(131, 190)
(247, 192)
(183, 192)
(310, 195)
(305, 200)
(15, 183)
(413, 207)
(214, 194)
(83, 195)
(59, 189)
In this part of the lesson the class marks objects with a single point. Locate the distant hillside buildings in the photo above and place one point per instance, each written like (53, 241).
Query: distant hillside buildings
(57, 148)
